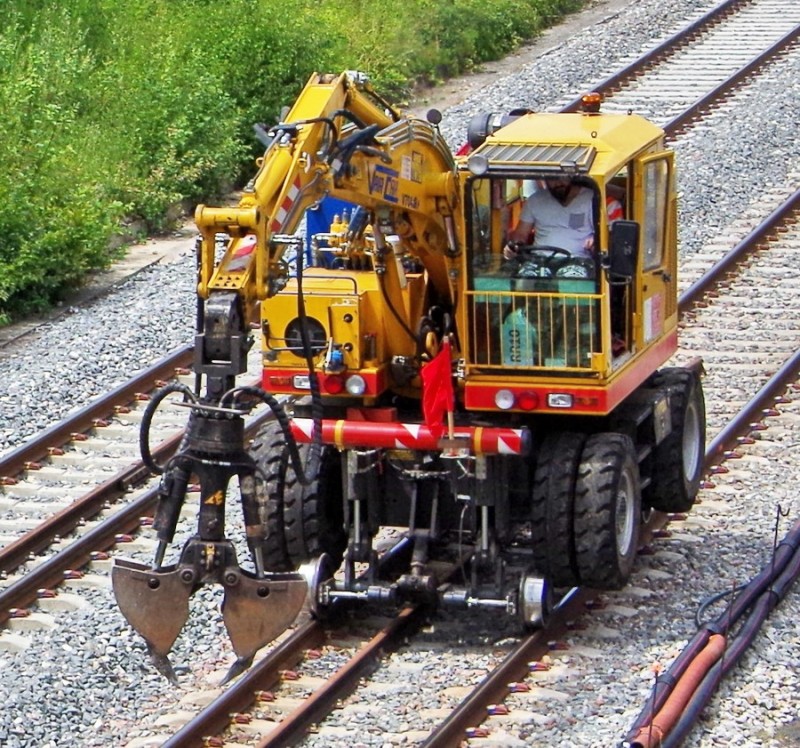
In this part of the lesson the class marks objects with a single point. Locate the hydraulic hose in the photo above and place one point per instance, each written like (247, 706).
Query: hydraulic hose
(305, 475)
(147, 419)
(309, 474)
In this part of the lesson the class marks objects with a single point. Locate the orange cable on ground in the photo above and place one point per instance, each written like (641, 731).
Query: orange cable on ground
(651, 735)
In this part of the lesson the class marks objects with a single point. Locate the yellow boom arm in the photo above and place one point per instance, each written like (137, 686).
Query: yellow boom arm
(340, 139)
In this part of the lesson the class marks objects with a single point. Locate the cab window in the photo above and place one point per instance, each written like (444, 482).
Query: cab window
(655, 190)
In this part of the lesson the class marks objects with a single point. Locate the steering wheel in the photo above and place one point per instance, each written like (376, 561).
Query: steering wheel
(540, 261)
(542, 253)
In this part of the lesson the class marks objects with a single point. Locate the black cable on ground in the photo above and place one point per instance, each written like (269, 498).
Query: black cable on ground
(758, 597)
(768, 600)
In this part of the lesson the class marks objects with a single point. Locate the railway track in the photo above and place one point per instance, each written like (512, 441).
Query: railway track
(37, 477)
(704, 61)
(83, 476)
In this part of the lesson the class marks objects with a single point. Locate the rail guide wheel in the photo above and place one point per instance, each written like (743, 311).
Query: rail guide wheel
(534, 602)
(319, 573)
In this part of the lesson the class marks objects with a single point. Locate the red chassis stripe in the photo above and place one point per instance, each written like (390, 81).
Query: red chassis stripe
(596, 400)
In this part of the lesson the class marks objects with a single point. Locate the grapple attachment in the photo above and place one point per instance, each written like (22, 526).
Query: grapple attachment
(258, 605)
(255, 609)
(155, 603)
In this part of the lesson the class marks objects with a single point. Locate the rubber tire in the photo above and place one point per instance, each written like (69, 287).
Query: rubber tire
(303, 522)
(268, 449)
(678, 460)
(608, 473)
(313, 515)
(552, 508)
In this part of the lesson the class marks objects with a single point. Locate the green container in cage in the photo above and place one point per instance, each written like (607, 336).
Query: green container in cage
(519, 339)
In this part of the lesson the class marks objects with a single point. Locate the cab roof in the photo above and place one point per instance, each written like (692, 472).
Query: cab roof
(594, 144)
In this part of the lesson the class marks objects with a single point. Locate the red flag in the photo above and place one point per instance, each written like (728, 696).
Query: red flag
(437, 388)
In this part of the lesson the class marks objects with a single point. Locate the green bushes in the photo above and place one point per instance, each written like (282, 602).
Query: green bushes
(123, 109)
(404, 42)
(57, 214)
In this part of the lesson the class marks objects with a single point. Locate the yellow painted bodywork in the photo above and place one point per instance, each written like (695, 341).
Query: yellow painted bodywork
(418, 253)
(613, 145)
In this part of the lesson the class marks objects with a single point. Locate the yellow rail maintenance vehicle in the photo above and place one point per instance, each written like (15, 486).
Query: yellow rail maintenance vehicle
(448, 372)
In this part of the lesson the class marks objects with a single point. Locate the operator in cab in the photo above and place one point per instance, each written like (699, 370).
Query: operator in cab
(559, 214)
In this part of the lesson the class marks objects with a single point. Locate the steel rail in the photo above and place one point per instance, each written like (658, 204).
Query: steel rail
(265, 674)
(674, 126)
(667, 47)
(38, 447)
(515, 667)
(782, 215)
(294, 727)
(760, 407)
(50, 573)
(262, 676)
(496, 686)
(86, 507)
(90, 504)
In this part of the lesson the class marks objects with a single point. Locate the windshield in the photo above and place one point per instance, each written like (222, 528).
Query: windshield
(544, 225)
(534, 272)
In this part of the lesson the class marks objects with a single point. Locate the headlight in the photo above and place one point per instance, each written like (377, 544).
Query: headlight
(356, 385)
(478, 164)
(559, 400)
(301, 382)
(504, 399)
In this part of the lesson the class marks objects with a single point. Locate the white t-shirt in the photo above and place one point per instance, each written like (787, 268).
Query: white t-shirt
(557, 225)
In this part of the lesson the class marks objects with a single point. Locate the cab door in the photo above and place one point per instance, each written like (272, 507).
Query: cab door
(654, 209)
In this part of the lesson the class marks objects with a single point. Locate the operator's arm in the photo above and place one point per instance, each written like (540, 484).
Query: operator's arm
(520, 234)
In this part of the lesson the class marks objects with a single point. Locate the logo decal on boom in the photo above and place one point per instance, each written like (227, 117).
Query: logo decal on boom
(385, 182)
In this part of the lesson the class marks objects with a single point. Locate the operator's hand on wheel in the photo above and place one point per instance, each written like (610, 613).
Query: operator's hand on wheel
(511, 251)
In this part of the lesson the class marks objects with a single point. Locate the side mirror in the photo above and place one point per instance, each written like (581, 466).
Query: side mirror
(623, 252)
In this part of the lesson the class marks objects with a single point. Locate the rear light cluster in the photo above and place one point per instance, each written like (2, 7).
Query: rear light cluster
(336, 384)
(330, 384)
(526, 400)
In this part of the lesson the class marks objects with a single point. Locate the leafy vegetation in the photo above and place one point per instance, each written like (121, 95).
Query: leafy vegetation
(121, 110)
